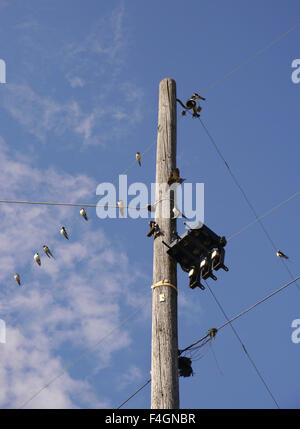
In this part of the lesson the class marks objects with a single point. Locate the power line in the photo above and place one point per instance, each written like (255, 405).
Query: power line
(245, 196)
(134, 162)
(206, 336)
(260, 302)
(84, 354)
(251, 360)
(251, 58)
(131, 396)
(272, 210)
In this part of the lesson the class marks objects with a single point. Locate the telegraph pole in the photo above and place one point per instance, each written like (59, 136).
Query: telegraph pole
(164, 362)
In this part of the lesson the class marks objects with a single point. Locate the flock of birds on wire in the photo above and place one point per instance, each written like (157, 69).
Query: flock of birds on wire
(46, 249)
(174, 178)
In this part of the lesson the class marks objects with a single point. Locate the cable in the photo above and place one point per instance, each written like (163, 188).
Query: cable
(244, 347)
(261, 301)
(248, 60)
(208, 338)
(134, 162)
(245, 196)
(48, 203)
(84, 354)
(137, 391)
(241, 314)
(264, 215)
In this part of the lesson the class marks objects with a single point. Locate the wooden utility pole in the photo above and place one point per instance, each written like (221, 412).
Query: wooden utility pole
(164, 365)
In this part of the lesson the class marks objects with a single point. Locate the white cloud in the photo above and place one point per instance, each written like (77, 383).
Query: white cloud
(133, 375)
(93, 63)
(76, 82)
(71, 301)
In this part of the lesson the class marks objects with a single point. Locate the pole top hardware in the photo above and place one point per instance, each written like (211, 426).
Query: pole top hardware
(199, 252)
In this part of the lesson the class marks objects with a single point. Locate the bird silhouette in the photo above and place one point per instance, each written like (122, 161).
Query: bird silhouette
(281, 255)
(47, 251)
(175, 177)
(138, 158)
(83, 214)
(121, 207)
(37, 259)
(64, 232)
(17, 278)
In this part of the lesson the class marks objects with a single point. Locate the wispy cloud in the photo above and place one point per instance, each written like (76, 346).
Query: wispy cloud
(71, 301)
(101, 107)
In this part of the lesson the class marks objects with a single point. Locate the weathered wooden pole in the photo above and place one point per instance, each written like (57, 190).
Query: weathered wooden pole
(164, 365)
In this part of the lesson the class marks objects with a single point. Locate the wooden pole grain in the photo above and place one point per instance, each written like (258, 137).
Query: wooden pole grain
(164, 360)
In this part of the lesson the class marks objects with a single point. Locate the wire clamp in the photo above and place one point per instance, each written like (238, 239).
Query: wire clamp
(164, 283)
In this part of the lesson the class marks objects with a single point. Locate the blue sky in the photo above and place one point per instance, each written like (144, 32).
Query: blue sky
(81, 98)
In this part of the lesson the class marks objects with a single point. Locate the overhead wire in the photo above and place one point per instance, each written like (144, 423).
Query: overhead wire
(272, 210)
(92, 205)
(226, 75)
(84, 354)
(206, 339)
(242, 313)
(252, 57)
(251, 360)
(131, 396)
(236, 181)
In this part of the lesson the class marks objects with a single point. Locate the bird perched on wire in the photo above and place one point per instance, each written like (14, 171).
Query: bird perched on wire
(281, 255)
(175, 177)
(138, 158)
(212, 332)
(121, 207)
(64, 232)
(83, 214)
(37, 259)
(17, 278)
(177, 213)
(47, 251)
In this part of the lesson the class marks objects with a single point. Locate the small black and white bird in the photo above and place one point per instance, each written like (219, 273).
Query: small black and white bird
(138, 158)
(17, 278)
(37, 259)
(64, 232)
(47, 251)
(83, 214)
(281, 255)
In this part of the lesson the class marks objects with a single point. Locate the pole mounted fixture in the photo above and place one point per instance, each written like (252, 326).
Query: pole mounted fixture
(199, 251)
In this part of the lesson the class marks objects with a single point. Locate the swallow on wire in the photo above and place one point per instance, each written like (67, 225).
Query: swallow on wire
(175, 177)
(83, 214)
(281, 255)
(212, 332)
(138, 158)
(64, 232)
(47, 251)
(121, 207)
(37, 259)
(17, 278)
